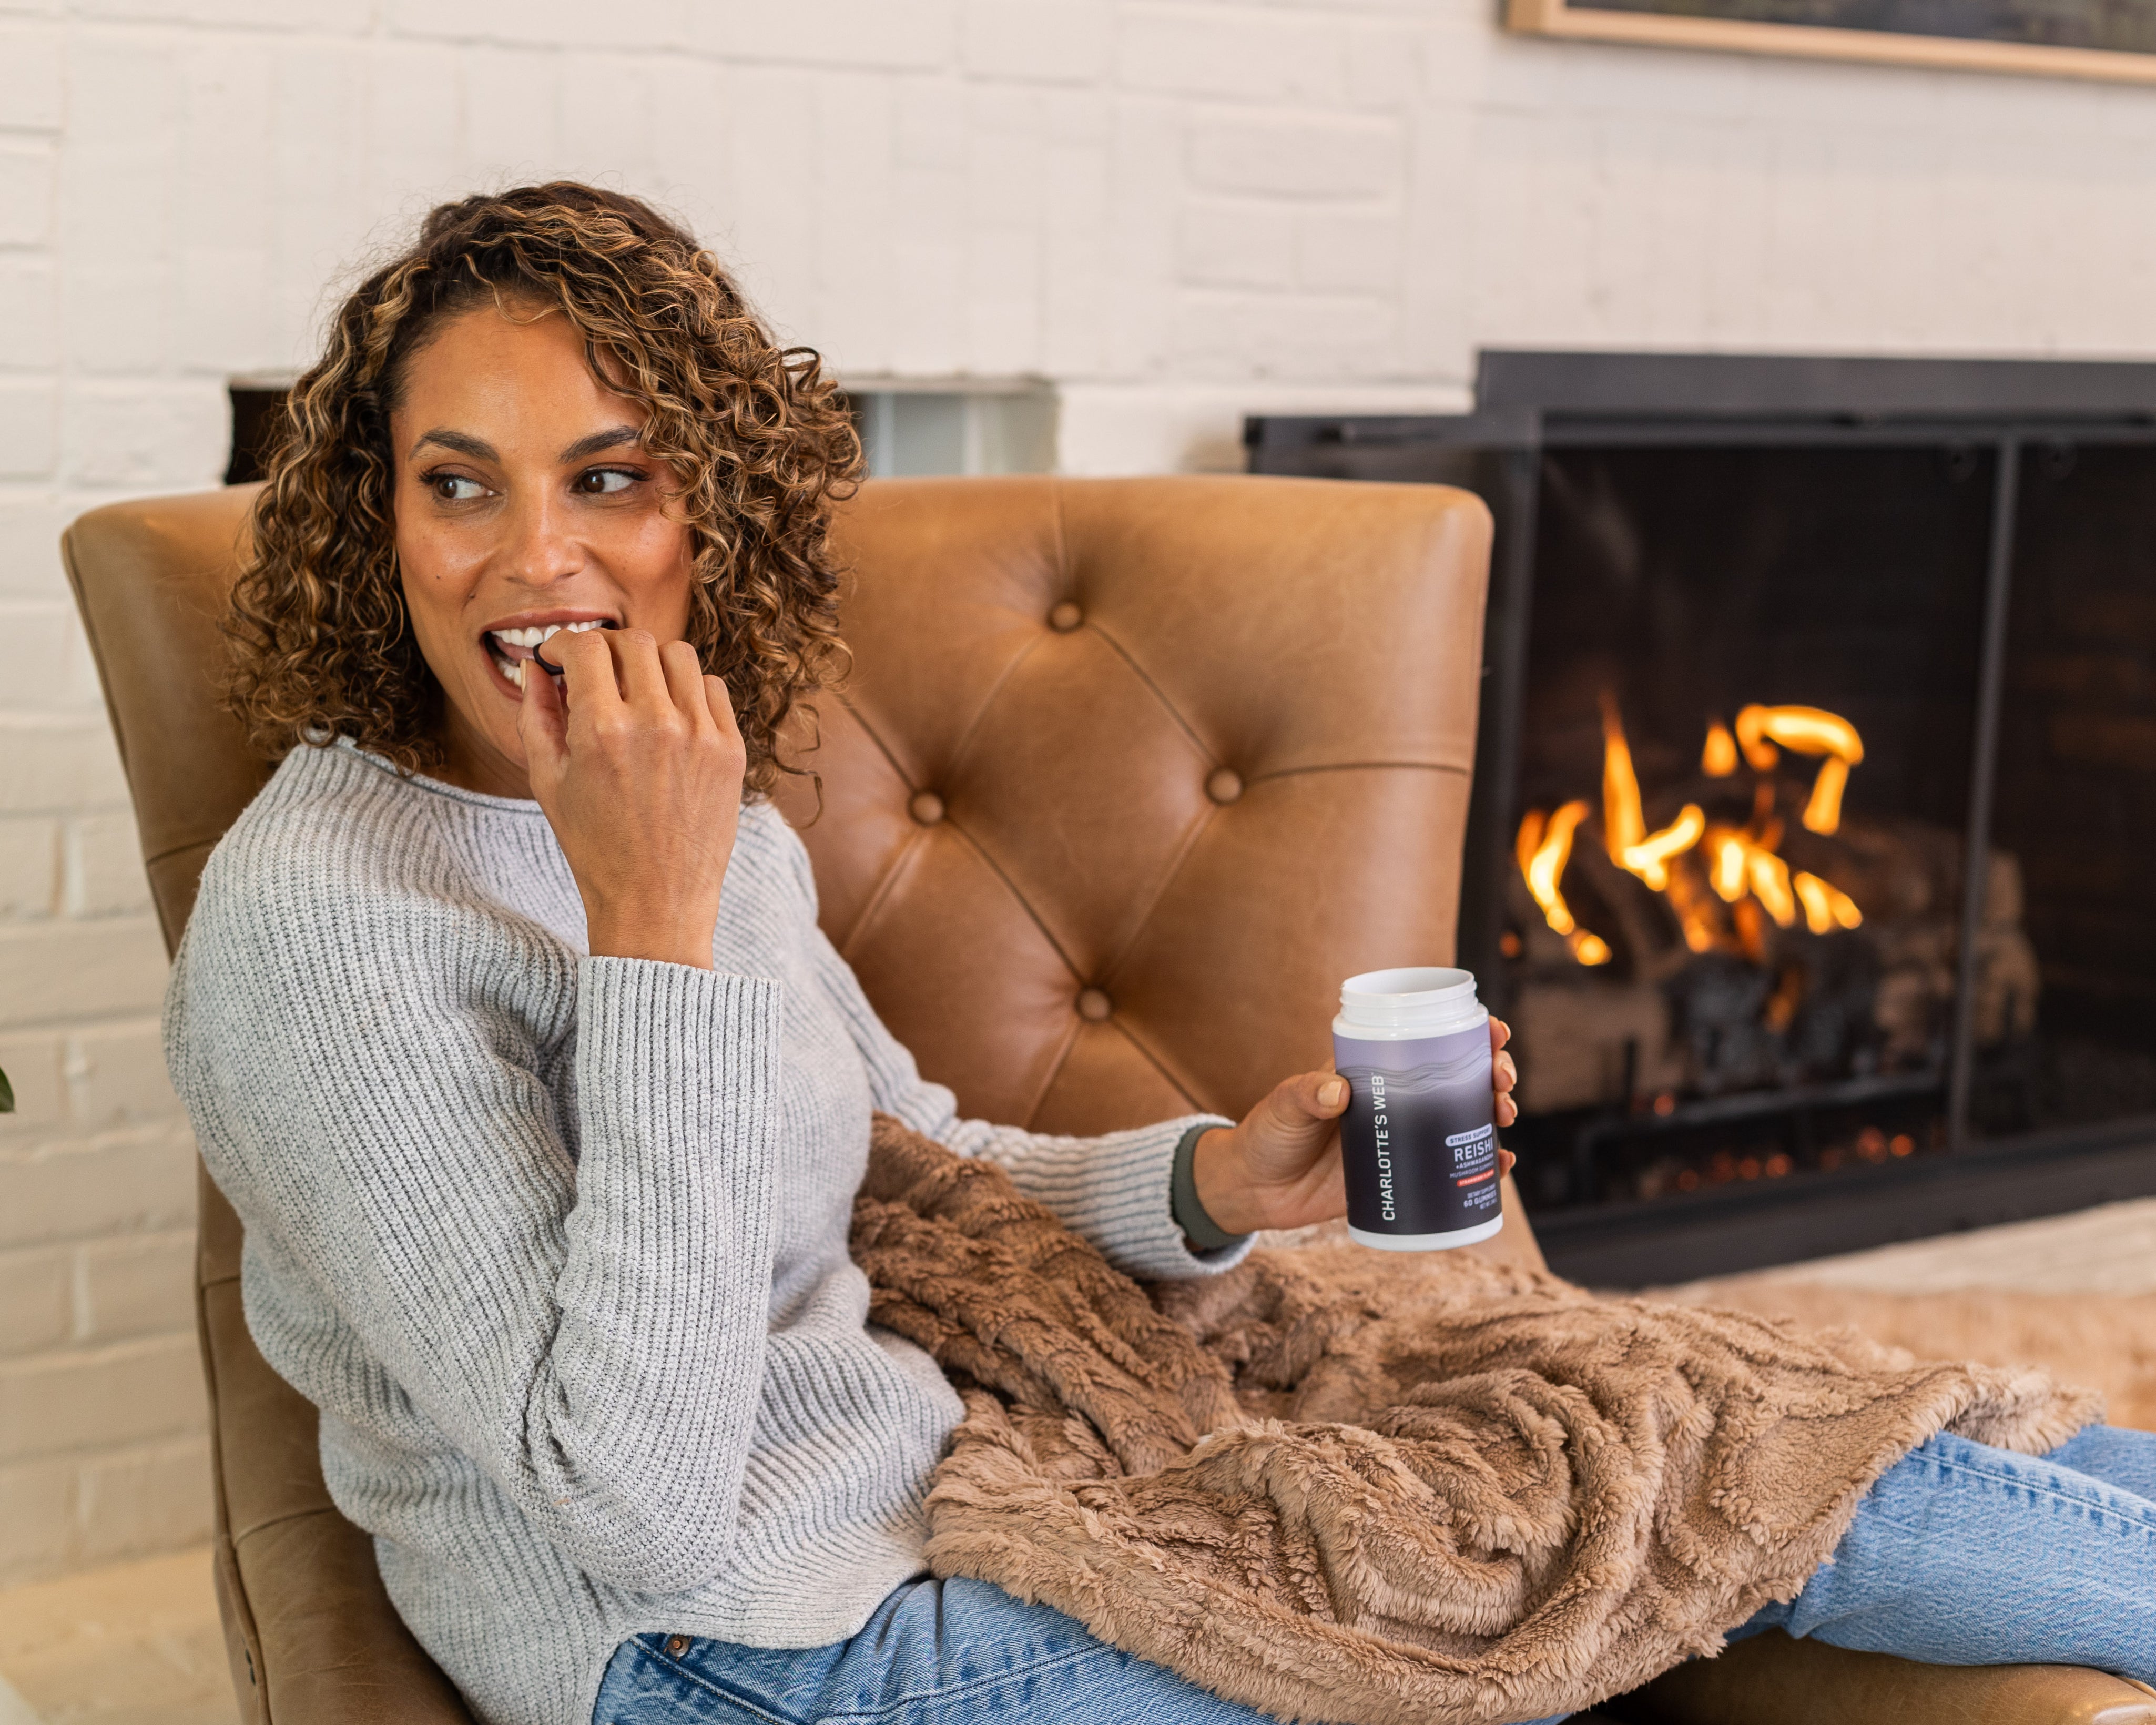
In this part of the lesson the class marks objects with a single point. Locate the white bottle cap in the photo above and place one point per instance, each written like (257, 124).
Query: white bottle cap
(1432, 998)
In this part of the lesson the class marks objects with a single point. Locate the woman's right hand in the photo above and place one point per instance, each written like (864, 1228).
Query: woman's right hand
(639, 771)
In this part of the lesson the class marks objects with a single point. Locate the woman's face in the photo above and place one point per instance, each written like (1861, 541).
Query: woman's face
(523, 504)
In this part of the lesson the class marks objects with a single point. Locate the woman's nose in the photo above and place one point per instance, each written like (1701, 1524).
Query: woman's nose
(540, 550)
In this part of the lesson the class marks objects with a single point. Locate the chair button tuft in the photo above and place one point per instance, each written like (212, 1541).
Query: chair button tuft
(926, 807)
(1223, 784)
(1066, 616)
(1093, 1005)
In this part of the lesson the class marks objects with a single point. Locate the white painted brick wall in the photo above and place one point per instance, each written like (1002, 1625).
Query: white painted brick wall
(1179, 210)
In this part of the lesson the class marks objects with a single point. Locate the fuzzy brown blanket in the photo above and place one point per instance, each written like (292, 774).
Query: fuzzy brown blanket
(1337, 1484)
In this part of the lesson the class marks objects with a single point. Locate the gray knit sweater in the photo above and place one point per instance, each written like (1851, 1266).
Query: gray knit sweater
(557, 1244)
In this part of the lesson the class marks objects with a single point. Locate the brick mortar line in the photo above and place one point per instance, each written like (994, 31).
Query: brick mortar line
(57, 1355)
(36, 1147)
(56, 1358)
(176, 1232)
(152, 1344)
(61, 1024)
(1108, 83)
(161, 1441)
(40, 1146)
(10, 1161)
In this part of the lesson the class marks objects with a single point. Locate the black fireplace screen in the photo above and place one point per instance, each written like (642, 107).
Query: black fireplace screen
(1755, 712)
(2075, 809)
(1817, 768)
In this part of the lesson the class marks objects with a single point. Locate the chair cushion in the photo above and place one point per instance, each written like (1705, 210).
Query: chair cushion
(1773, 1680)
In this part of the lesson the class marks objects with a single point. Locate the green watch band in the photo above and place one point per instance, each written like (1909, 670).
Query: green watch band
(1202, 1231)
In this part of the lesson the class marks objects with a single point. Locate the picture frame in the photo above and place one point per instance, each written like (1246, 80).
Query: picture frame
(2114, 43)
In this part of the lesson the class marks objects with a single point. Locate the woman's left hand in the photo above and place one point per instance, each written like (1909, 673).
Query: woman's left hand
(1281, 1168)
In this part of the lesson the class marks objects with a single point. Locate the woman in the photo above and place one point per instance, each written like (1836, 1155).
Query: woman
(505, 1023)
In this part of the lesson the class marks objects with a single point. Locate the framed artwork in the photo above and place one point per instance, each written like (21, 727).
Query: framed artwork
(2112, 39)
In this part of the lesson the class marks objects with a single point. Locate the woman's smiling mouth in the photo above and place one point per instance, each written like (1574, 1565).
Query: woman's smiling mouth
(513, 649)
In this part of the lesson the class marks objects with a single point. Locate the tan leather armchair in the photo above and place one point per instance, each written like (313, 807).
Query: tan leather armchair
(1130, 774)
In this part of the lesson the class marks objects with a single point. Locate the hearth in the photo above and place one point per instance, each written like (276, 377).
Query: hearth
(1817, 775)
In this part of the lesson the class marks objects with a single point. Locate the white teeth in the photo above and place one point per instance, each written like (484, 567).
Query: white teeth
(533, 636)
(530, 639)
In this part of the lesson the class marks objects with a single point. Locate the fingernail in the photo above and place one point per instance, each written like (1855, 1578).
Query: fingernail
(1331, 1094)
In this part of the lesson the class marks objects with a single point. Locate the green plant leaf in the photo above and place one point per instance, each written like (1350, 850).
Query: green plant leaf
(6, 1095)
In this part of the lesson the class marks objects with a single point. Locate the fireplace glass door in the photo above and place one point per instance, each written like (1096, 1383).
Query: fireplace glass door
(2066, 1029)
(1745, 755)
(1816, 792)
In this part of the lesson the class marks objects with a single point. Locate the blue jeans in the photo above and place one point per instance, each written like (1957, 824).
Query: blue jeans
(934, 1653)
(1967, 1555)
(1960, 1555)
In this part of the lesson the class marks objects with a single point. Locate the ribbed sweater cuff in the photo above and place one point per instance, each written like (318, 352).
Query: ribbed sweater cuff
(644, 1019)
(1118, 1191)
(676, 1069)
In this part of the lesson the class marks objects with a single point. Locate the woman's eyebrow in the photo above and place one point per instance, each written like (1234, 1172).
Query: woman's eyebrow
(613, 440)
(477, 448)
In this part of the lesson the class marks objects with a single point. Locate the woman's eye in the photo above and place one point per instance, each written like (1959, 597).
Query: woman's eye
(605, 481)
(454, 488)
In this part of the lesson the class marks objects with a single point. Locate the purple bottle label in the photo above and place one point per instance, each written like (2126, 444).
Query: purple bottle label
(1418, 1142)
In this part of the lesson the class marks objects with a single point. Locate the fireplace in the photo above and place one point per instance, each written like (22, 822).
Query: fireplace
(1817, 769)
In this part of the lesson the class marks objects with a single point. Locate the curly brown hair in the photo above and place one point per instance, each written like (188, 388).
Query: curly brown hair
(757, 434)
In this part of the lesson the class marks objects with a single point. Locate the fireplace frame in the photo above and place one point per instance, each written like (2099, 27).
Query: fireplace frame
(1528, 402)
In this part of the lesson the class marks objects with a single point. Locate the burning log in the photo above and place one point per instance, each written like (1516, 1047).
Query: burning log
(1746, 932)
(2007, 979)
(1596, 1042)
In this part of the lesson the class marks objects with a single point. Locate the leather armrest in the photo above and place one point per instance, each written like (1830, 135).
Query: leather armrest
(1774, 1680)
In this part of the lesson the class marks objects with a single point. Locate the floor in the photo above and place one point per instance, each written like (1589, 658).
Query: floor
(2110, 1249)
(138, 1644)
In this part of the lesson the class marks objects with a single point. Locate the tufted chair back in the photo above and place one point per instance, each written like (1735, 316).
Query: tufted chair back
(1130, 774)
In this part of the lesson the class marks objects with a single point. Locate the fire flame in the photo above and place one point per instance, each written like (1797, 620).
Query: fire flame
(1543, 848)
(1807, 730)
(1823, 813)
(1649, 859)
(1622, 824)
(1694, 910)
(1770, 885)
(1826, 908)
(1632, 846)
(1728, 873)
(1718, 759)
(1742, 865)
